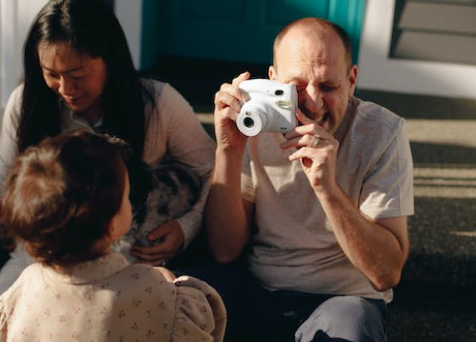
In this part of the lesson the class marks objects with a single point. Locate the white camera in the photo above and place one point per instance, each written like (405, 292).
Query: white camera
(271, 107)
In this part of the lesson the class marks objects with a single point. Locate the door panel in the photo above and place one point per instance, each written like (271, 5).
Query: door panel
(233, 30)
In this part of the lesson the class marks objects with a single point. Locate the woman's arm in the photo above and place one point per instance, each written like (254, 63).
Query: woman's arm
(174, 131)
(8, 135)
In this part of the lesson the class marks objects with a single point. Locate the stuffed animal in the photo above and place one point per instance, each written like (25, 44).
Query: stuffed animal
(159, 193)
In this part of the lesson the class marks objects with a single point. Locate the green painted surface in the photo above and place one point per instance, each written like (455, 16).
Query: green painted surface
(234, 30)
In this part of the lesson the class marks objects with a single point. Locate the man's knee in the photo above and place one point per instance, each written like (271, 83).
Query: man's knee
(344, 318)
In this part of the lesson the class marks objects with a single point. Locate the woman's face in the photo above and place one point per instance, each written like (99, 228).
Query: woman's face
(77, 77)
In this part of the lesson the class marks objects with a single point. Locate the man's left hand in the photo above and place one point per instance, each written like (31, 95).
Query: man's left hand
(317, 151)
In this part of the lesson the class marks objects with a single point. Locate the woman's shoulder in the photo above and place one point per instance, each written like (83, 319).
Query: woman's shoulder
(162, 92)
(153, 85)
(18, 91)
(14, 100)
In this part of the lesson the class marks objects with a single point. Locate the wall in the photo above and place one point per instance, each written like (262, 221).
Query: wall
(129, 13)
(435, 30)
(379, 72)
(15, 19)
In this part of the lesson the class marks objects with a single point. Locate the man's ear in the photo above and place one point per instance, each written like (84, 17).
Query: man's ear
(272, 73)
(354, 71)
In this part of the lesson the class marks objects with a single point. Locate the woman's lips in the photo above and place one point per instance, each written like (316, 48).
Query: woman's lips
(72, 100)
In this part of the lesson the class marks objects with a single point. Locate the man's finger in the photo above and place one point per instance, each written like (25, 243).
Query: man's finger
(240, 78)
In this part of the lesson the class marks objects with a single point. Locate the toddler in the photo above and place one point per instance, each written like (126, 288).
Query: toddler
(67, 201)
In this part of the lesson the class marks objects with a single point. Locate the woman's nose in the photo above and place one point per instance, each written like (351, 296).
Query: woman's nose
(67, 87)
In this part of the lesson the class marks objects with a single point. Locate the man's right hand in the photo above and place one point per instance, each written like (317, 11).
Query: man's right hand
(228, 102)
(226, 218)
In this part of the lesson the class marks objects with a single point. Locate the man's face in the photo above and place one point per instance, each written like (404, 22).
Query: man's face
(316, 63)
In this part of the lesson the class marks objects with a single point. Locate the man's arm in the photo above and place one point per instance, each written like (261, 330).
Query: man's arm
(378, 248)
(227, 216)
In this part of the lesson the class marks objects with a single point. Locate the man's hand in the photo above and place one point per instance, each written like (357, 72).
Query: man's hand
(171, 242)
(228, 102)
(317, 150)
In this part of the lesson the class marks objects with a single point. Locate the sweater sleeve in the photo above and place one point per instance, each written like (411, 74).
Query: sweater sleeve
(174, 126)
(8, 135)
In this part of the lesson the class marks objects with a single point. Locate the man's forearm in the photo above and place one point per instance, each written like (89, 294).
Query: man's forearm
(225, 216)
(378, 251)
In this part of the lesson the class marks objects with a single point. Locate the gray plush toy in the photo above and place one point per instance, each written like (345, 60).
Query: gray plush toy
(159, 193)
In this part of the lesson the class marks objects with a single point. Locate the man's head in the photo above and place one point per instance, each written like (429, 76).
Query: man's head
(315, 55)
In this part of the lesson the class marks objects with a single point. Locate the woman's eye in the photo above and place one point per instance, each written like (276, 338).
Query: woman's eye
(78, 77)
(52, 75)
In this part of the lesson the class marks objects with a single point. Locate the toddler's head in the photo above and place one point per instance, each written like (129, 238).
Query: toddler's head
(67, 199)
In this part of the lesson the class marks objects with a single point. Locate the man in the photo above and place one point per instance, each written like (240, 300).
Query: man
(319, 213)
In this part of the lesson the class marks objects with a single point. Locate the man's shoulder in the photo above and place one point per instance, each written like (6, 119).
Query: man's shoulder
(375, 120)
(369, 111)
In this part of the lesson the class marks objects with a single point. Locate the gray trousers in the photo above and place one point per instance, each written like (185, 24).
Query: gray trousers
(344, 318)
(255, 314)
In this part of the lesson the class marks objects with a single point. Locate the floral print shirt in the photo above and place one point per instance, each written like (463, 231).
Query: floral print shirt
(109, 299)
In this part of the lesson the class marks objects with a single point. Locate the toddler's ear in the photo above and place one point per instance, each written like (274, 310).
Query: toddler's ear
(113, 234)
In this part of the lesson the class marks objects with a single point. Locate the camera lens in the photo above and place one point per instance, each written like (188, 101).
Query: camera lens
(249, 122)
(279, 92)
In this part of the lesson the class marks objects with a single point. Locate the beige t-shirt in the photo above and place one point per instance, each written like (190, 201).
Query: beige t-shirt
(294, 247)
(109, 300)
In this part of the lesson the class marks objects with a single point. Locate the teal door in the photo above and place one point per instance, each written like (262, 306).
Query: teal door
(234, 30)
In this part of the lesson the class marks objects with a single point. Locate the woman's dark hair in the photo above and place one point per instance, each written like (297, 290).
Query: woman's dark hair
(87, 26)
(61, 195)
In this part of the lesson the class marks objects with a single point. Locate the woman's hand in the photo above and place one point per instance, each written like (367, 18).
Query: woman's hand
(171, 240)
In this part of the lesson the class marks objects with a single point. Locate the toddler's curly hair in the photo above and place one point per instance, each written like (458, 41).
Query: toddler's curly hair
(61, 195)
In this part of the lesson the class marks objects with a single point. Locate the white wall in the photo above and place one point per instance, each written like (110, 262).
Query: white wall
(15, 19)
(129, 13)
(378, 72)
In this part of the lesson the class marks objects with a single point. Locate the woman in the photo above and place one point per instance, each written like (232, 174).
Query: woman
(78, 72)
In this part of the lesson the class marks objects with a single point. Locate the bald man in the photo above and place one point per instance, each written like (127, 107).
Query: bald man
(318, 215)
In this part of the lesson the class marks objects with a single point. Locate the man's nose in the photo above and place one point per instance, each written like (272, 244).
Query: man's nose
(313, 98)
